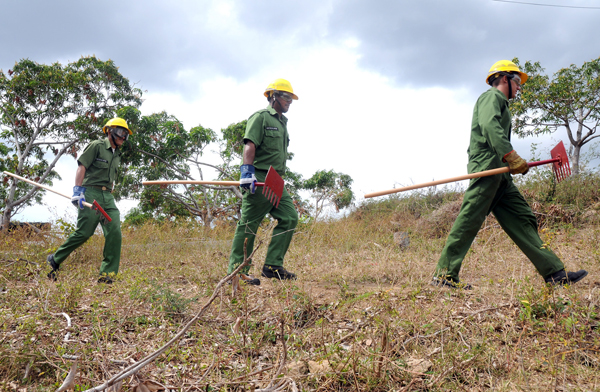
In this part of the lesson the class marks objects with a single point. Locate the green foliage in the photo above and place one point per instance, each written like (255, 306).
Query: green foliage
(233, 138)
(162, 149)
(137, 217)
(329, 187)
(161, 297)
(53, 109)
(570, 100)
(65, 227)
(294, 184)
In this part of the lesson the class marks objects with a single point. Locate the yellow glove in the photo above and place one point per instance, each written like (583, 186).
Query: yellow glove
(516, 164)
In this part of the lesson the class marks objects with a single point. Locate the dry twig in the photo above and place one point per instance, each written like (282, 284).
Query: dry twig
(151, 357)
(69, 382)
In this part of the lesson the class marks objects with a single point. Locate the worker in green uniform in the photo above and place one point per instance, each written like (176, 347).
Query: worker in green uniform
(94, 179)
(490, 148)
(265, 144)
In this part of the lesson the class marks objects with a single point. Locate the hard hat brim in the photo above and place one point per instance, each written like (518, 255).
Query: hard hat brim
(522, 75)
(266, 94)
(106, 127)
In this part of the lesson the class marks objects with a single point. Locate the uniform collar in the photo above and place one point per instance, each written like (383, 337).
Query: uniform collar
(499, 93)
(273, 112)
(107, 144)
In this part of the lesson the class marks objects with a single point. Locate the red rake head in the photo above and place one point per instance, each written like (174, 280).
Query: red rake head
(103, 215)
(562, 169)
(273, 188)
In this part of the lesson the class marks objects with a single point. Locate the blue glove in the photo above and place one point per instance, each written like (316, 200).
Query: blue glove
(247, 179)
(78, 197)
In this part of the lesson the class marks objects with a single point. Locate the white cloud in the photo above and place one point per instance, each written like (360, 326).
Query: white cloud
(375, 79)
(347, 119)
(351, 43)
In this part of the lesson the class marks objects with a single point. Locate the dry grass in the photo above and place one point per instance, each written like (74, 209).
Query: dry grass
(361, 316)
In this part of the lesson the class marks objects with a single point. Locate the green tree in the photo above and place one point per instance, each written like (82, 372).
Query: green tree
(232, 145)
(571, 99)
(330, 188)
(162, 149)
(47, 111)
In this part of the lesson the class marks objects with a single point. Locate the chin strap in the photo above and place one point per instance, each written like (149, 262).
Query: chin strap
(278, 103)
(113, 139)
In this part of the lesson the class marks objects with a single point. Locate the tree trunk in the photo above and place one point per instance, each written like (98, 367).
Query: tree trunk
(8, 210)
(6, 215)
(575, 163)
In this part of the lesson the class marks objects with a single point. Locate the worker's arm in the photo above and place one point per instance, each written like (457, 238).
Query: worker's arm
(249, 153)
(79, 175)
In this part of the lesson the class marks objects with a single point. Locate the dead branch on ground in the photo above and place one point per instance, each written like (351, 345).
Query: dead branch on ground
(151, 357)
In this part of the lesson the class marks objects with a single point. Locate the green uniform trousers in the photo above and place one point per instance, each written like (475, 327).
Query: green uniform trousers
(499, 195)
(254, 209)
(87, 221)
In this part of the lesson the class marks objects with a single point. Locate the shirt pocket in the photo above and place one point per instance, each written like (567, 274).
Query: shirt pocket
(273, 139)
(100, 165)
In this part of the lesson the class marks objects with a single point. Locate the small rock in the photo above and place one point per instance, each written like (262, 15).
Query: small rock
(296, 369)
(418, 365)
(591, 216)
(402, 239)
(321, 367)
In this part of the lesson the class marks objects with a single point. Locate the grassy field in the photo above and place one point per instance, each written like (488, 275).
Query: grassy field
(361, 317)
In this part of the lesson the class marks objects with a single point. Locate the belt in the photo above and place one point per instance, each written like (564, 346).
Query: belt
(102, 188)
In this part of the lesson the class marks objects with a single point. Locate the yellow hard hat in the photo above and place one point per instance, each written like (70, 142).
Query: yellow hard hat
(505, 66)
(280, 85)
(117, 122)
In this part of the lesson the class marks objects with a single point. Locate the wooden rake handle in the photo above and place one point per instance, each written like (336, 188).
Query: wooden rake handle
(485, 173)
(94, 206)
(85, 203)
(194, 182)
(273, 186)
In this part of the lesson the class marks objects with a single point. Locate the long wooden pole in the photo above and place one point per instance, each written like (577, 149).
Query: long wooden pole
(94, 206)
(85, 203)
(484, 173)
(194, 182)
(438, 182)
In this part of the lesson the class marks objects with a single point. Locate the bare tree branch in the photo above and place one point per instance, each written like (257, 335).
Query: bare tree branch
(151, 357)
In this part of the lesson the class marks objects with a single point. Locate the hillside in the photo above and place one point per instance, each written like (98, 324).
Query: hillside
(361, 316)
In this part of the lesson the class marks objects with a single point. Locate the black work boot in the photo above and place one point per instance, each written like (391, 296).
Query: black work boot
(248, 279)
(52, 274)
(565, 278)
(105, 279)
(251, 280)
(441, 281)
(277, 272)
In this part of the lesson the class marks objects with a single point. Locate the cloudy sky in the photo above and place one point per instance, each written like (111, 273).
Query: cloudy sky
(386, 87)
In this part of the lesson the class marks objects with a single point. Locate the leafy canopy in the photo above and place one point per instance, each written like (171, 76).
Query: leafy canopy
(47, 111)
(570, 100)
(330, 188)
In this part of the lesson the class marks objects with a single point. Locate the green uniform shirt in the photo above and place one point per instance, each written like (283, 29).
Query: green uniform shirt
(100, 163)
(490, 132)
(269, 134)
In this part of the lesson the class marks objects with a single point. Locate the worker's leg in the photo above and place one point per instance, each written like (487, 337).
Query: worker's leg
(477, 201)
(519, 222)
